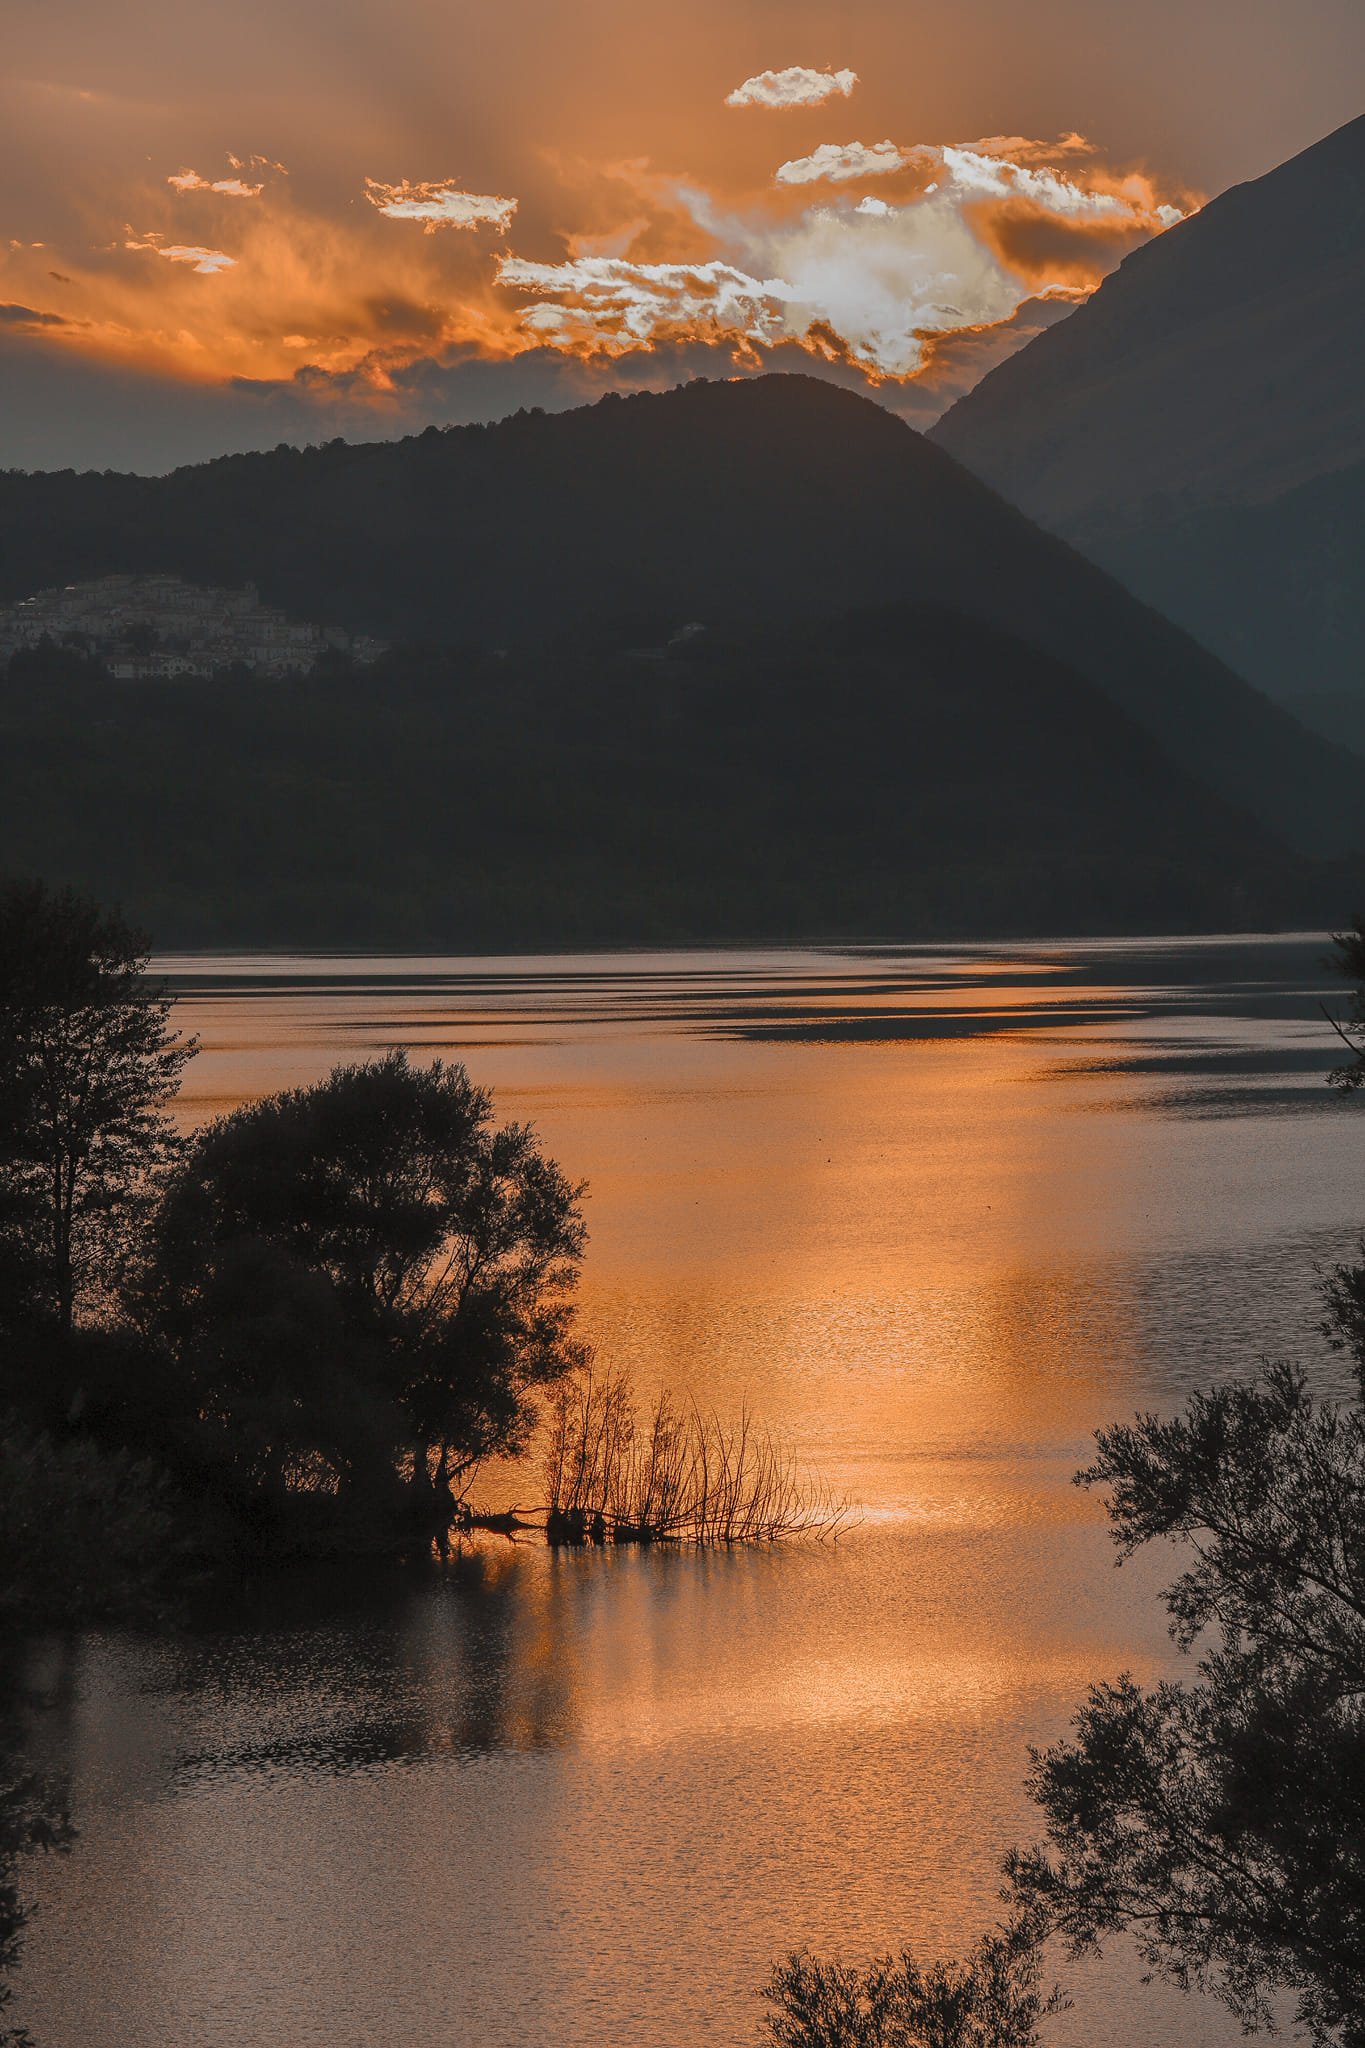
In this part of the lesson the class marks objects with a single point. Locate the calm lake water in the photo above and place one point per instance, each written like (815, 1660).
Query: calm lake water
(939, 1214)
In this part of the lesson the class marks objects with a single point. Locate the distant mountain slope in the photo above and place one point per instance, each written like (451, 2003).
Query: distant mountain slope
(737, 505)
(1220, 362)
(1219, 370)
(1277, 588)
(904, 772)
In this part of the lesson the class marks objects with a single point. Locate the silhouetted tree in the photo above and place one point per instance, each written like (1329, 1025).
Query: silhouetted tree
(87, 1066)
(368, 1271)
(1222, 1822)
(1348, 958)
(996, 1999)
(277, 1383)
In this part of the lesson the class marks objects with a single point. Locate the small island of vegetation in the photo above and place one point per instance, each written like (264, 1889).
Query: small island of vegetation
(300, 1331)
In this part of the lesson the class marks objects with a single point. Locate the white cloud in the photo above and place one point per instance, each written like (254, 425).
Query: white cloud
(440, 205)
(607, 301)
(795, 87)
(976, 171)
(880, 277)
(872, 281)
(231, 188)
(992, 176)
(841, 161)
(970, 167)
(207, 262)
(876, 276)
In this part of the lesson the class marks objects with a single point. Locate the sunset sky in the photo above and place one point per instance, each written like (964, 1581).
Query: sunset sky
(224, 227)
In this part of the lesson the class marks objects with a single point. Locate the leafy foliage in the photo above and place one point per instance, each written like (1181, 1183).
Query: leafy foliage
(1223, 1822)
(87, 1066)
(995, 1999)
(366, 1270)
(1348, 958)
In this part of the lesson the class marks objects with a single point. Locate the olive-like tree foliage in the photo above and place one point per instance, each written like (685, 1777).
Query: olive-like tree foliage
(1222, 1822)
(367, 1274)
(88, 1065)
(1348, 959)
(995, 1999)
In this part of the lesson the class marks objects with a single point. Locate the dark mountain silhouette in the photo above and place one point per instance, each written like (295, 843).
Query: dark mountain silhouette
(735, 505)
(1198, 426)
(901, 772)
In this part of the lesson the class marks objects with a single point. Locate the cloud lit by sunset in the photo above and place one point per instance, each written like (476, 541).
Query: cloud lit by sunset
(611, 224)
(439, 205)
(230, 188)
(794, 87)
(871, 278)
(955, 237)
(840, 162)
(204, 262)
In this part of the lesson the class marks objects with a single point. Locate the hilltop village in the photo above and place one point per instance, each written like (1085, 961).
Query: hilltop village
(158, 627)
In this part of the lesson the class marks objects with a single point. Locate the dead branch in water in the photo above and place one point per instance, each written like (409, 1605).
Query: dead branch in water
(507, 1522)
(682, 1475)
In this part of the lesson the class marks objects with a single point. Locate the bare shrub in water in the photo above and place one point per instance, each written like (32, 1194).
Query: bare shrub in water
(679, 1474)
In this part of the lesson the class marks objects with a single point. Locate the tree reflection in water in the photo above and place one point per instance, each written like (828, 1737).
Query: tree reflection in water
(33, 1819)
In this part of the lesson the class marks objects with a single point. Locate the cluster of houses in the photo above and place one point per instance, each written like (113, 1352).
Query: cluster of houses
(159, 627)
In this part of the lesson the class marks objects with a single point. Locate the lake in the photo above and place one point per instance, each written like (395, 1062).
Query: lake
(937, 1213)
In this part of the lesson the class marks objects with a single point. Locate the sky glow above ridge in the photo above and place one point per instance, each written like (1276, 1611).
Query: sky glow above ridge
(302, 221)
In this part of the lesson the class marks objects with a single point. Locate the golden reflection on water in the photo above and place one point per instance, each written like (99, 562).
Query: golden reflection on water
(937, 1215)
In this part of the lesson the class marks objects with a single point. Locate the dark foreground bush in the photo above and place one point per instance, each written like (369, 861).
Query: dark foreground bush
(87, 1534)
(995, 1999)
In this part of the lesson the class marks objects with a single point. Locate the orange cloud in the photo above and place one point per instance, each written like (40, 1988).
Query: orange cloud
(235, 187)
(619, 267)
(957, 358)
(440, 205)
(230, 188)
(1093, 195)
(1042, 249)
(205, 262)
(610, 304)
(1024, 149)
(968, 236)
